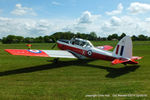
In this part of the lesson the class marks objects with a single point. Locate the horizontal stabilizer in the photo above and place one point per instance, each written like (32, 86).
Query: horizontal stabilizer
(120, 61)
(136, 57)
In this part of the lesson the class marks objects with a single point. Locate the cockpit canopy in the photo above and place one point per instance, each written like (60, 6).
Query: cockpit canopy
(81, 42)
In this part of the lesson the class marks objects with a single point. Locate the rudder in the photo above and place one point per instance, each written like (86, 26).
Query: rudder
(123, 48)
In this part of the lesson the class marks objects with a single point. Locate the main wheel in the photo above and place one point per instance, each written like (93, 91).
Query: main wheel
(56, 60)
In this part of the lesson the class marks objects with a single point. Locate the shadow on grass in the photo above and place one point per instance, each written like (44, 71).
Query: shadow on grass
(116, 72)
(113, 72)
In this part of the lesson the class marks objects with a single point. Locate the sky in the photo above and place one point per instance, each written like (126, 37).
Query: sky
(32, 18)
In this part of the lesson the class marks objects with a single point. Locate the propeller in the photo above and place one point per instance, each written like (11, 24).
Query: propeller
(54, 45)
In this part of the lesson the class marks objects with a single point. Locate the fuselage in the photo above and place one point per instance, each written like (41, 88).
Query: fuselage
(85, 51)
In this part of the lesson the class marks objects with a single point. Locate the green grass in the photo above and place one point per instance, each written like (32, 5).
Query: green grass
(23, 78)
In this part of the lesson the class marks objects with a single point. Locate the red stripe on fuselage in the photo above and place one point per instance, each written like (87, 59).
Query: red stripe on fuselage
(66, 47)
(84, 52)
(100, 56)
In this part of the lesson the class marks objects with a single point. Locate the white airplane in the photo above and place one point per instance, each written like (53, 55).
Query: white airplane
(82, 49)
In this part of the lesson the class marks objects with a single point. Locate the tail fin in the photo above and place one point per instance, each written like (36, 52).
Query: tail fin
(123, 48)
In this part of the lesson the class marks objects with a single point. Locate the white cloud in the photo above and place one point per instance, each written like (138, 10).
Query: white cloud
(20, 11)
(87, 18)
(56, 3)
(147, 19)
(118, 11)
(137, 8)
(30, 27)
(131, 25)
(127, 24)
(85, 23)
(115, 21)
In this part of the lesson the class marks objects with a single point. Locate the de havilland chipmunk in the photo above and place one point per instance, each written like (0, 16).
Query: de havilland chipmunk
(82, 49)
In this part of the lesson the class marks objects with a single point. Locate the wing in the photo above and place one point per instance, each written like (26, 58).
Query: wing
(41, 53)
(105, 47)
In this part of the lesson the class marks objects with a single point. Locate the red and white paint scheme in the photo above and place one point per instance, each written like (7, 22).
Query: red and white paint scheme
(82, 49)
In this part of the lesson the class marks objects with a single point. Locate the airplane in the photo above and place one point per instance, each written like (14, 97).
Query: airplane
(82, 49)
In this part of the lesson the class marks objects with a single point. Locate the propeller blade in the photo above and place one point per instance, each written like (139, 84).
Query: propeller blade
(53, 46)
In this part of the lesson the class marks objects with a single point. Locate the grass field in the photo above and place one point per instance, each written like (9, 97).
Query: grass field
(26, 78)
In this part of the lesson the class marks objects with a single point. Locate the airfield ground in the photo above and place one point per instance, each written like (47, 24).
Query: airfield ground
(26, 78)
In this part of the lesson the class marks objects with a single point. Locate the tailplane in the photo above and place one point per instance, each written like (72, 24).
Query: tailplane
(123, 52)
(123, 61)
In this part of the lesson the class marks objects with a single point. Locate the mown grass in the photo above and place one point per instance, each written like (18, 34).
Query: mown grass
(36, 78)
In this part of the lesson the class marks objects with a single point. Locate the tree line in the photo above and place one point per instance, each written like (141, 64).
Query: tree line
(67, 35)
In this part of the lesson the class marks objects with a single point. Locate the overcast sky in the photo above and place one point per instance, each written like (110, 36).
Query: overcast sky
(44, 17)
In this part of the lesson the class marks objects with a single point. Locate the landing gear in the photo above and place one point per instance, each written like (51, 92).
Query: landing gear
(55, 60)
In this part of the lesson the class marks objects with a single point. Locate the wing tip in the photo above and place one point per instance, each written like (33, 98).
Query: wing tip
(136, 57)
(8, 50)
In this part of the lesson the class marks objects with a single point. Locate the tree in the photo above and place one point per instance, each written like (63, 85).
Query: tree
(4, 40)
(52, 39)
(29, 40)
(134, 38)
(63, 35)
(67, 35)
(122, 35)
(148, 38)
(78, 35)
(104, 38)
(113, 36)
(109, 37)
(39, 39)
(93, 35)
(142, 37)
(47, 39)
(13, 39)
(10, 39)
(19, 39)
